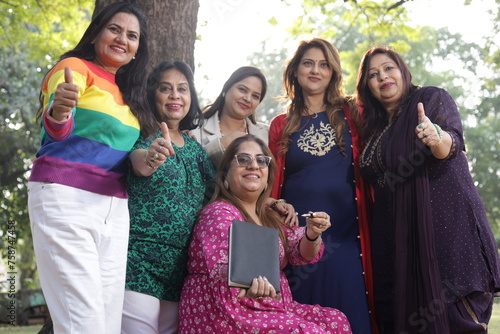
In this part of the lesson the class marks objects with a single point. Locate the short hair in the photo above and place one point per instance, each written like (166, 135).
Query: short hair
(194, 116)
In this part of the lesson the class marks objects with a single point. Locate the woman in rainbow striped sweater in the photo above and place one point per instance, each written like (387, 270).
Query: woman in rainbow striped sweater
(92, 112)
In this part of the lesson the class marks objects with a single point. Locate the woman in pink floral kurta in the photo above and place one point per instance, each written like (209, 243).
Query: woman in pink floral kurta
(208, 305)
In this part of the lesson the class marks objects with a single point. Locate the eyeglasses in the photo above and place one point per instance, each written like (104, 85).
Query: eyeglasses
(246, 160)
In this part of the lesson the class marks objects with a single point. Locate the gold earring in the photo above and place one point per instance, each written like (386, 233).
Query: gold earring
(226, 184)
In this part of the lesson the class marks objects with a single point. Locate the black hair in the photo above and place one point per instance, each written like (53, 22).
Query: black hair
(130, 78)
(194, 115)
(238, 75)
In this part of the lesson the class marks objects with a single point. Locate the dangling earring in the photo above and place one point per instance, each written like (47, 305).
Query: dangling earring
(226, 184)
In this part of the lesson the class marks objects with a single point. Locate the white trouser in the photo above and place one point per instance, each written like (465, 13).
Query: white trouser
(80, 240)
(146, 314)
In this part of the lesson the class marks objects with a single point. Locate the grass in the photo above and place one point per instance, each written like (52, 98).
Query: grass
(21, 329)
(494, 326)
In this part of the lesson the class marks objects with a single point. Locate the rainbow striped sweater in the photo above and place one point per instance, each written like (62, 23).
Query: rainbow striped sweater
(89, 151)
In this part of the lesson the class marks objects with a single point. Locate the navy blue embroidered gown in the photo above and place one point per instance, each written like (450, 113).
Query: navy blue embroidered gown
(318, 177)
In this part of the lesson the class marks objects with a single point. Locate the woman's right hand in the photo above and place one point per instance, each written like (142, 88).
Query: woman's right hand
(160, 149)
(65, 97)
(260, 288)
(317, 223)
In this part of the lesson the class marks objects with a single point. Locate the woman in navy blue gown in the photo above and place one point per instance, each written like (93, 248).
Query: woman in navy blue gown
(315, 144)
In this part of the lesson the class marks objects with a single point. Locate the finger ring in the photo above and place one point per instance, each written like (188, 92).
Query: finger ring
(421, 125)
(162, 143)
(296, 213)
(152, 159)
(425, 134)
(259, 297)
(155, 156)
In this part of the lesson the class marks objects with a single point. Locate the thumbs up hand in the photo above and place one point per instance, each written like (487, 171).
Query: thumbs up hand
(426, 131)
(65, 97)
(160, 149)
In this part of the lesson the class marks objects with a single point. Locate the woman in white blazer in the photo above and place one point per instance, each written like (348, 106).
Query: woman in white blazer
(232, 114)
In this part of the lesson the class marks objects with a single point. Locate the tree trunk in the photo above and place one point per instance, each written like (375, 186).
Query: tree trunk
(171, 27)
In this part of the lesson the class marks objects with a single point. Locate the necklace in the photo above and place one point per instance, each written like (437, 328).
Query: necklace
(314, 114)
(243, 127)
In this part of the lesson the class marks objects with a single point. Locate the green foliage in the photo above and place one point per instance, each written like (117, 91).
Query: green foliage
(48, 27)
(272, 104)
(34, 34)
(435, 57)
(18, 144)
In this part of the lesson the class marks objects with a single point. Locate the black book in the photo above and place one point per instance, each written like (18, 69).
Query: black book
(253, 252)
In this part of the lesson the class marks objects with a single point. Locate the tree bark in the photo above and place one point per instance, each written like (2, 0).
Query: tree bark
(171, 28)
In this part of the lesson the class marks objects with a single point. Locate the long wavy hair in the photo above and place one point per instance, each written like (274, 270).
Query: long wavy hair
(267, 216)
(374, 117)
(194, 116)
(130, 78)
(334, 96)
(238, 75)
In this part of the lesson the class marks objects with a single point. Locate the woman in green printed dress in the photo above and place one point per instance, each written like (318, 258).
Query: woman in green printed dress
(170, 176)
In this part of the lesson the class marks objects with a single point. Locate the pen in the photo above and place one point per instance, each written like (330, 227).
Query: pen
(308, 215)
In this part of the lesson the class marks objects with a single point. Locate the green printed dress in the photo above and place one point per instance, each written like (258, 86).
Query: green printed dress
(163, 209)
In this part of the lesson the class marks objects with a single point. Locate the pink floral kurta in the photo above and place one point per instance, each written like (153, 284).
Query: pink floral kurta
(208, 305)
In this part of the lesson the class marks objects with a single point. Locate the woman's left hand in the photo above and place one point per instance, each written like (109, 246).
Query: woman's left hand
(287, 210)
(426, 131)
(260, 288)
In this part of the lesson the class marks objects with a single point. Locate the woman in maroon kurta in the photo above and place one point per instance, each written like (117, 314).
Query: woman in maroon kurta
(434, 257)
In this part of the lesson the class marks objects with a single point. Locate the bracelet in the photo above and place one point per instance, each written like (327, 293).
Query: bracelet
(440, 135)
(439, 130)
(309, 239)
(276, 202)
